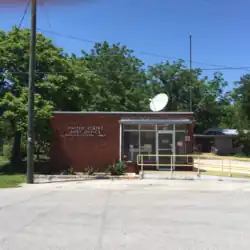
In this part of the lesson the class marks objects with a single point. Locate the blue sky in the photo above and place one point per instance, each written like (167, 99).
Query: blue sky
(220, 29)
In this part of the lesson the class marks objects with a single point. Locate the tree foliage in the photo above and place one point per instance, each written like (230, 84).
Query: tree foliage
(121, 82)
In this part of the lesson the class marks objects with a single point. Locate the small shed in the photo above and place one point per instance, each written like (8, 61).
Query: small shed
(224, 141)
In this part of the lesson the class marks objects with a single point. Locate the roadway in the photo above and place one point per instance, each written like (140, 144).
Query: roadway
(131, 214)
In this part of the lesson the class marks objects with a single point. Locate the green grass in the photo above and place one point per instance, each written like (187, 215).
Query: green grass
(213, 173)
(225, 174)
(11, 181)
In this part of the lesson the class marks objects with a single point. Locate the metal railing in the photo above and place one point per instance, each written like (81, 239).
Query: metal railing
(218, 165)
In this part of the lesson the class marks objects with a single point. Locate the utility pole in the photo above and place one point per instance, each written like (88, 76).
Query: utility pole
(190, 68)
(32, 66)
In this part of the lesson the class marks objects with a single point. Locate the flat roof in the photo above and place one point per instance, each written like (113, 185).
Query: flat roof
(121, 112)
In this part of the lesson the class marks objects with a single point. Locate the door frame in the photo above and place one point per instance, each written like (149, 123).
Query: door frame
(157, 145)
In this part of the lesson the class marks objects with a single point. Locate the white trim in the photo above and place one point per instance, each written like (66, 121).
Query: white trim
(165, 131)
(174, 149)
(146, 130)
(137, 130)
(121, 112)
(157, 144)
(156, 149)
(151, 121)
(139, 139)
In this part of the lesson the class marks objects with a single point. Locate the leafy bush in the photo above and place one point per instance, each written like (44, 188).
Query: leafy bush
(90, 170)
(117, 168)
(71, 171)
(68, 171)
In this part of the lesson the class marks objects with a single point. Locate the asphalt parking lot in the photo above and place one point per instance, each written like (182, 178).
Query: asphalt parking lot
(107, 215)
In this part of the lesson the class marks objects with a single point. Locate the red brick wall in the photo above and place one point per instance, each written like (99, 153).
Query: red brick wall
(80, 152)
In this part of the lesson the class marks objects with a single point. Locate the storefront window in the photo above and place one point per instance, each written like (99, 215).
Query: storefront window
(180, 147)
(147, 145)
(141, 140)
(131, 145)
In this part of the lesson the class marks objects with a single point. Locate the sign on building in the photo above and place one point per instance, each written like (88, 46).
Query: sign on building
(85, 131)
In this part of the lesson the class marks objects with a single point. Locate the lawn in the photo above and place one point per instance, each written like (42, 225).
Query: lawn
(225, 174)
(215, 173)
(11, 181)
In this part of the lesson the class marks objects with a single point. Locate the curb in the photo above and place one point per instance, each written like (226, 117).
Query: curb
(66, 178)
(174, 177)
(196, 178)
(39, 179)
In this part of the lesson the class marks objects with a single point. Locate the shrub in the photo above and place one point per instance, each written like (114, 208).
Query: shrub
(90, 170)
(117, 168)
(71, 171)
(68, 171)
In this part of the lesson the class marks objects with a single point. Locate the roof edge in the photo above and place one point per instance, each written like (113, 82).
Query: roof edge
(118, 112)
(139, 121)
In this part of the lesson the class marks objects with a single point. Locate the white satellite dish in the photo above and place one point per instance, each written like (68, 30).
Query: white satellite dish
(159, 102)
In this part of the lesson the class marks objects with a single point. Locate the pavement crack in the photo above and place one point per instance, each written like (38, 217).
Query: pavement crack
(103, 222)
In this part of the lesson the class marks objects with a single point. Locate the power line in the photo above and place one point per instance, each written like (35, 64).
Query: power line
(66, 36)
(228, 68)
(216, 67)
(24, 14)
(219, 66)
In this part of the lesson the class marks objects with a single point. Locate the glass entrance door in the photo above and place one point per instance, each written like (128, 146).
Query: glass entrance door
(165, 148)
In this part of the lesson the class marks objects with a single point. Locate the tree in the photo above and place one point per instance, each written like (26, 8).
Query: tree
(241, 101)
(54, 72)
(242, 96)
(121, 83)
(175, 79)
(15, 118)
(211, 102)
